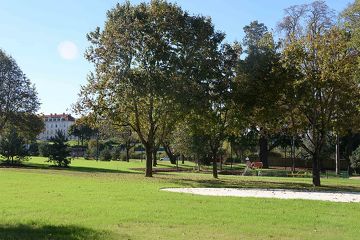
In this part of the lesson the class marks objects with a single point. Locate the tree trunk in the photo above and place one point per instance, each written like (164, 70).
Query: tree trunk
(293, 154)
(337, 155)
(349, 149)
(316, 169)
(215, 172)
(285, 149)
(221, 162)
(155, 158)
(127, 154)
(182, 159)
(169, 153)
(214, 161)
(264, 153)
(148, 172)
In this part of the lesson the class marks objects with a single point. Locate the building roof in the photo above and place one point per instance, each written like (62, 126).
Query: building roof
(66, 117)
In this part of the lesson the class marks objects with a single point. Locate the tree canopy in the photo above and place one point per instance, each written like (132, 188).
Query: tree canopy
(18, 97)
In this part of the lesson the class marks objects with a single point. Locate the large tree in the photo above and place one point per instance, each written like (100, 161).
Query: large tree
(149, 59)
(17, 95)
(325, 89)
(260, 83)
(212, 121)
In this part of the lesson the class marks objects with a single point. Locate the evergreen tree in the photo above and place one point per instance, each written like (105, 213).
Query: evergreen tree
(58, 150)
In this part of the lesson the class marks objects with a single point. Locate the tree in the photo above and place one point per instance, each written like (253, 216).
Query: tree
(324, 86)
(12, 146)
(260, 83)
(29, 125)
(211, 118)
(17, 95)
(59, 151)
(82, 130)
(128, 140)
(149, 59)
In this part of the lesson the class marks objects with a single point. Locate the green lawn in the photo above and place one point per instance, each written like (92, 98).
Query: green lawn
(108, 200)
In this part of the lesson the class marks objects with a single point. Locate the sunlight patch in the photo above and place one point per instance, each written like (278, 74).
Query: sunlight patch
(68, 50)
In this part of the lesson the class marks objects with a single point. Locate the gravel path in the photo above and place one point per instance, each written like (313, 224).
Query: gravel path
(271, 193)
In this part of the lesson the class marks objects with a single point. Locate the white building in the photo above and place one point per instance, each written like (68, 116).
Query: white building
(55, 122)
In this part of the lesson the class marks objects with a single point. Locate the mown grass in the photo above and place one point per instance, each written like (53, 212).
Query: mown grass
(109, 200)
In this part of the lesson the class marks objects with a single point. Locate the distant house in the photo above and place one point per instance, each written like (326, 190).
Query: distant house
(54, 122)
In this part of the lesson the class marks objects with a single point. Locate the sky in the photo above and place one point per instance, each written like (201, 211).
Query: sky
(47, 38)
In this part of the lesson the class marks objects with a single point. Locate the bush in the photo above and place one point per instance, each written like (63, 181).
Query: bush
(136, 155)
(93, 148)
(116, 154)
(123, 156)
(105, 154)
(355, 159)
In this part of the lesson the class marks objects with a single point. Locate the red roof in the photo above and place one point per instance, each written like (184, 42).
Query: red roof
(66, 117)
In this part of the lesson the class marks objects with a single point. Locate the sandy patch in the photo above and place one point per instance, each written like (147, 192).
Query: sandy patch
(271, 193)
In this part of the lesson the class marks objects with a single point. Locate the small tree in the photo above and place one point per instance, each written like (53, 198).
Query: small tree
(58, 150)
(12, 147)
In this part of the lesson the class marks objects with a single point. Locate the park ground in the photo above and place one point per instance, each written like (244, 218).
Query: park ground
(111, 200)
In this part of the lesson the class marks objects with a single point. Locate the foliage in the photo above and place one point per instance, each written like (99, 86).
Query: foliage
(59, 151)
(326, 93)
(12, 146)
(351, 21)
(157, 55)
(82, 130)
(17, 95)
(33, 149)
(355, 159)
(116, 154)
(105, 154)
(44, 149)
(259, 88)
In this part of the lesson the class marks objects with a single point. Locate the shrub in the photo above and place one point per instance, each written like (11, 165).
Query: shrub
(136, 155)
(105, 154)
(116, 154)
(355, 159)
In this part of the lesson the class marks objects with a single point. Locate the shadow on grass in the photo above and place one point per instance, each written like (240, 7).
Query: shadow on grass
(263, 184)
(70, 168)
(50, 232)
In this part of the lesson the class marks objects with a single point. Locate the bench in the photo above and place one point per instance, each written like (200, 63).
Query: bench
(256, 165)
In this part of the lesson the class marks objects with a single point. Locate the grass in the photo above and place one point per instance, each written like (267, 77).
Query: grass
(109, 200)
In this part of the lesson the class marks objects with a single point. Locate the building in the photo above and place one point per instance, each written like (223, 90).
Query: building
(55, 122)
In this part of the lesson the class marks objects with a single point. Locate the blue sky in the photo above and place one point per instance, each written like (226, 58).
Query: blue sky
(48, 37)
